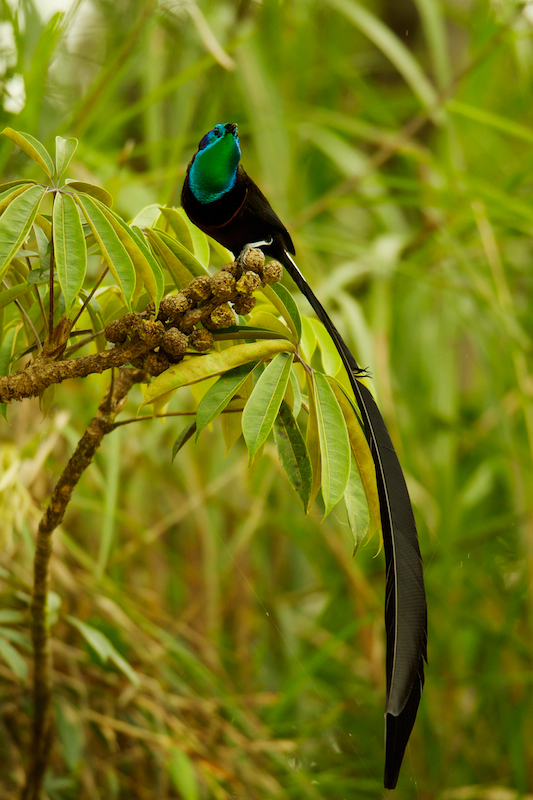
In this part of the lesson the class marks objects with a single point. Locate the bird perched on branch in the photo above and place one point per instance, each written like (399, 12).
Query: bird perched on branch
(224, 202)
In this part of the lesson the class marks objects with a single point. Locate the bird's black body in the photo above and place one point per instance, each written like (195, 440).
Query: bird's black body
(239, 215)
(242, 215)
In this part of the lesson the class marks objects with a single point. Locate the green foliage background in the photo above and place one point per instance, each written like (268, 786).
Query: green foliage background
(395, 141)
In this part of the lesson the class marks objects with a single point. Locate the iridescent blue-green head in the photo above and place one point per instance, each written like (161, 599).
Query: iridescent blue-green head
(214, 167)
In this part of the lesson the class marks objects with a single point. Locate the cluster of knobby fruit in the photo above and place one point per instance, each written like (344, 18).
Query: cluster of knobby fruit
(205, 300)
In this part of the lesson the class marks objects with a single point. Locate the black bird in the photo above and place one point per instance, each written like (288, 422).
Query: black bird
(223, 201)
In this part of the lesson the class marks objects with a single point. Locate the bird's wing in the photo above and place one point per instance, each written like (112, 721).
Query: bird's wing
(258, 206)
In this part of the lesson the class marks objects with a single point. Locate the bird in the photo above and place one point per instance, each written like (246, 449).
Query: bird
(222, 200)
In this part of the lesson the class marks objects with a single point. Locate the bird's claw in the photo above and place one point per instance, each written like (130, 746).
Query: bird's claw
(241, 258)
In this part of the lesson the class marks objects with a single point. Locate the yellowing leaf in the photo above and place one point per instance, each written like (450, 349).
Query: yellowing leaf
(313, 438)
(334, 443)
(65, 149)
(331, 359)
(92, 190)
(176, 219)
(15, 224)
(284, 303)
(270, 322)
(362, 455)
(146, 267)
(111, 247)
(33, 148)
(197, 368)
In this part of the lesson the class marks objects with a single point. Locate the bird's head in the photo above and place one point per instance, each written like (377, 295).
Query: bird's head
(214, 167)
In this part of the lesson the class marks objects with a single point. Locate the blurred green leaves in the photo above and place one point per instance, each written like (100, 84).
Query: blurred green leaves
(334, 107)
(104, 648)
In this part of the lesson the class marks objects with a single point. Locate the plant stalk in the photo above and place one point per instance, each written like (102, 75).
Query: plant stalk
(102, 423)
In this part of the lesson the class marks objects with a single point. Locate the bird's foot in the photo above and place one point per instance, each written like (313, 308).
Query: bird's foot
(241, 258)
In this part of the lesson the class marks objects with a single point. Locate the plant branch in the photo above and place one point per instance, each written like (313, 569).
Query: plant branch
(170, 414)
(39, 300)
(101, 424)
(92, 335)
(135, 335)
(90, 296)
(33, 380)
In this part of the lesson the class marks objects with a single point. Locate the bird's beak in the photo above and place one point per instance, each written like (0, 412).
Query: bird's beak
(232, 127)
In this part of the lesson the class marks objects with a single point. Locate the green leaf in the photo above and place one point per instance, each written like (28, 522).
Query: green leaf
(224, 254)
(43, 225)
(490, 120)
(6, 353)
(331, 359)
(262, 408)
(146, 266)
(356, 506)
(13, 659)
(184, 256)
(152, 261)
(10, 193)
(198, 368)
(183, 775)
(15, 224)
(176, 220)
(361, 453)
(182, 439)
(283, 301)
(201, 246)
(43, 239)
(312, 437)
(309, 342)
(33, 148)
(8, 295)
(53, 604)
(92, 190)
(334, 443)
(112, 249)
(69, 248)
(70, 731)
(219, 395)
(297, 394)
(104, 648)
(293, 454)
(10, 616)
(65, 149)
(42, 51)
(268, 322)
(13, 635)
(231, 424)
(436, 35)
(147, 216)
(182, 276)
(5, 188)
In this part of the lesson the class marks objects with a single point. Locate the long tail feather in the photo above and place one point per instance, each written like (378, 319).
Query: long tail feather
(405, 602)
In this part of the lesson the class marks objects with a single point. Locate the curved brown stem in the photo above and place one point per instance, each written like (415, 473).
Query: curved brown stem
(102, 423)
(33, 380)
